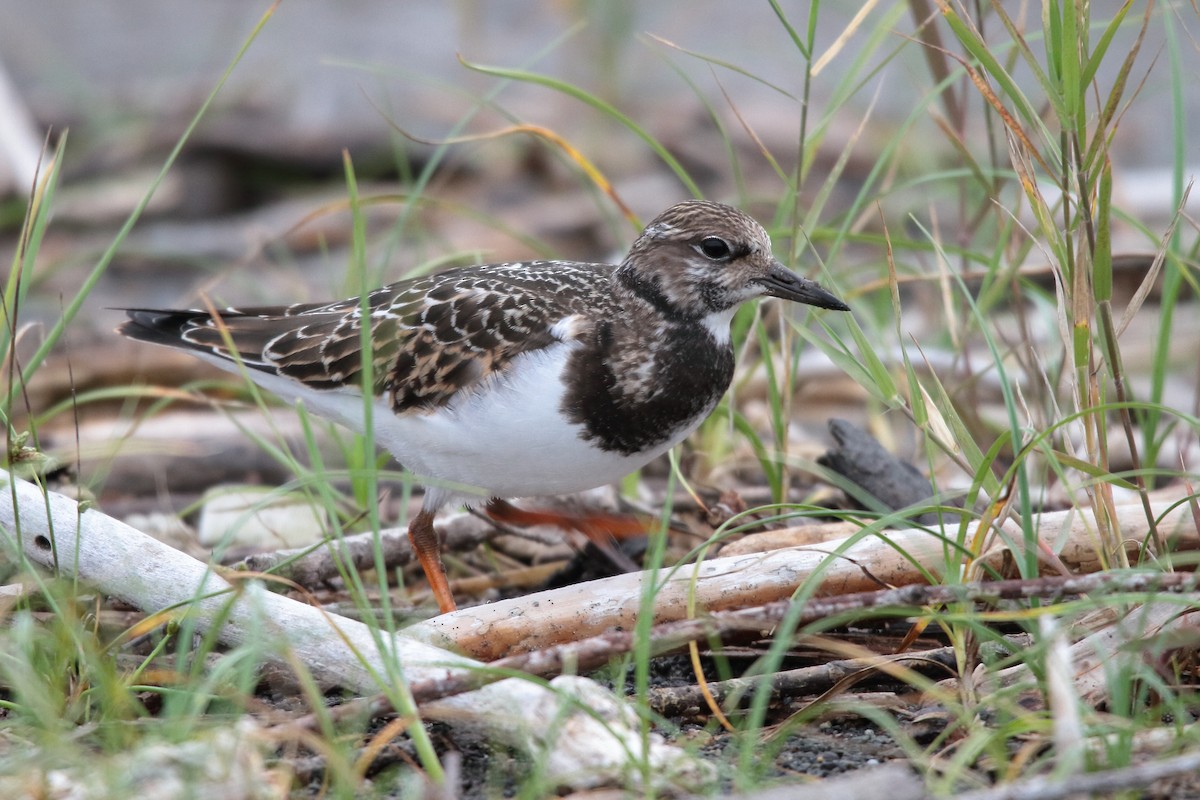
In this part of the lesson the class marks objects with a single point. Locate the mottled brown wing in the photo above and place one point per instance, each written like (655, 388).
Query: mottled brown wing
(430, 338)
(436, 336)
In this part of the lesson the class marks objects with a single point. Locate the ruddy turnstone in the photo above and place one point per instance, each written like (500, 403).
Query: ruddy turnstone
(534, 378)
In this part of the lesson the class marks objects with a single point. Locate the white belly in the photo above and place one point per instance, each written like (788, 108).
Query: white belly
(507, 439)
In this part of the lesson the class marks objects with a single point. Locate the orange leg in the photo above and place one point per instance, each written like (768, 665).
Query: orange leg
(425, 545)
(599, 527)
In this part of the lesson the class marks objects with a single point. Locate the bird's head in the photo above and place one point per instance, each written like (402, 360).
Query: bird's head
(700, 258)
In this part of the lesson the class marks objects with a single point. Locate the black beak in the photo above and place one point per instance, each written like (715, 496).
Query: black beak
(782, 282)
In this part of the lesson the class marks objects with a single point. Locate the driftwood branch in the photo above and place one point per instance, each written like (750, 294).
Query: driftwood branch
(839, 567)
(859, 458)
(20, 142)
(595, 651)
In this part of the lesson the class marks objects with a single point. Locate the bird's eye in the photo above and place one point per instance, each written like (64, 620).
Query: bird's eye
(715, 248)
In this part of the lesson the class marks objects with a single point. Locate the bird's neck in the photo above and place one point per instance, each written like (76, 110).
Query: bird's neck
(648, 288)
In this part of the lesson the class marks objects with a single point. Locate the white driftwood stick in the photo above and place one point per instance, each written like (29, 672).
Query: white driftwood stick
(20, 144)
(125, 563)
(577, 748)
(542, 620)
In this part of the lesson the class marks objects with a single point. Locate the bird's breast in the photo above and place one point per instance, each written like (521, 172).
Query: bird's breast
(631, 393)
